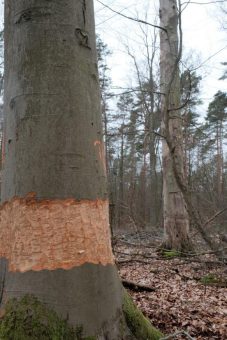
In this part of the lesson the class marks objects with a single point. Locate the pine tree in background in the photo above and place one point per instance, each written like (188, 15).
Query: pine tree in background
(216, 119)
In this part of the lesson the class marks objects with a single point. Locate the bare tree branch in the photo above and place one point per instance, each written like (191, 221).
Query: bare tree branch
(172, 336)
(203, 3)
(137, 286)
(131, 18)
(214, 216)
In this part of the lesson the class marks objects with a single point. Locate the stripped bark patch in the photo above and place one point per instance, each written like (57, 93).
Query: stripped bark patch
(51, 234)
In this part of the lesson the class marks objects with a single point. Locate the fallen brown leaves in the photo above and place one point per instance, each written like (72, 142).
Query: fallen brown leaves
(179, 301)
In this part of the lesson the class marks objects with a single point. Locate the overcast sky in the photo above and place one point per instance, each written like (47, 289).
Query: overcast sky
(202, 38)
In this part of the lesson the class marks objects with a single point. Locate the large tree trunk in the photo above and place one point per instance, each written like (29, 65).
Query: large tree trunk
(176, 222)
(54, 232)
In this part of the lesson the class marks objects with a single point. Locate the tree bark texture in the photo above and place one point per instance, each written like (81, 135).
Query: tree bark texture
(176, 222)
(54, 230)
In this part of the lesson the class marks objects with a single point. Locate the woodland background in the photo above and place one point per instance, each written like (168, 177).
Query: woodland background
(183, 296)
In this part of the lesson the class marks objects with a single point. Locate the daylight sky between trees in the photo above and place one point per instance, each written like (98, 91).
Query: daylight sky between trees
(203, 37)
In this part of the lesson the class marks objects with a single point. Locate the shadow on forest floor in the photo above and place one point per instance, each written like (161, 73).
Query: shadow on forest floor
(187, 293)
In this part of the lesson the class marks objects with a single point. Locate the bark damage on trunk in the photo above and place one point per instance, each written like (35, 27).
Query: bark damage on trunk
(55, 244)
(38, 235)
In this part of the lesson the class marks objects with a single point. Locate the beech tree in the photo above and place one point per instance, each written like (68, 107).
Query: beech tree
(54, 228)
(176, 221)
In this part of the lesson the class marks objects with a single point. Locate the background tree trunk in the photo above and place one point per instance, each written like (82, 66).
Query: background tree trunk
(176, 222)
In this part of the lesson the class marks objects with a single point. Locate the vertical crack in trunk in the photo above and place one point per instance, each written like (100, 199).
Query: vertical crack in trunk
(81, 33)
(84, 8)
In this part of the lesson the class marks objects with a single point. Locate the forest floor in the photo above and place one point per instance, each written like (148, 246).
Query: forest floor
(187, 293)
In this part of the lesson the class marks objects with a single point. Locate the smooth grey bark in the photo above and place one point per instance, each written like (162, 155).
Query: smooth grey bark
(176, 221)
(85, 296)
(52, 101)
(52, 133)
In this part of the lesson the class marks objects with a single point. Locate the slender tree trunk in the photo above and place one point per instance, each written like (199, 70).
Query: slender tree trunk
(107, 162)
(104, 114)
(219, 162)
(133, 164)
(176, 222)
(143, 189)
(153, 174)
(120, 210)
(54, 230)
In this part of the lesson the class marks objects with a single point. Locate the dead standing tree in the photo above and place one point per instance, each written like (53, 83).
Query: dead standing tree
(176, 220)
(178, 206)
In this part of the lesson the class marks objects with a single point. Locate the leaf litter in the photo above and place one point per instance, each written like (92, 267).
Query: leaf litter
(182, 299)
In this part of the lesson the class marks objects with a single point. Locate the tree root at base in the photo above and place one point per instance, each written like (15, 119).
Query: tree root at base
(138, 324)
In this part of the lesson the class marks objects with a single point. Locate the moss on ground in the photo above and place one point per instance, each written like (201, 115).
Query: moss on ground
(29, 319)
(170, 253)
(213, 280)
(138, 324)
(209, 279)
